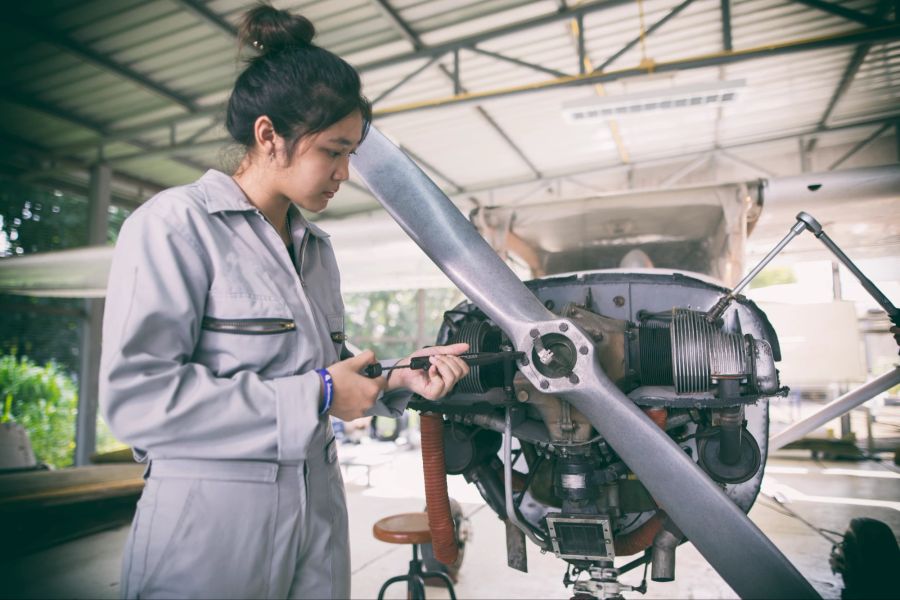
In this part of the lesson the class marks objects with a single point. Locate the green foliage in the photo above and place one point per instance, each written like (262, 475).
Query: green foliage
(44, 401)
(388, 322)
(38, 220)
(33, 220)
(774, 276)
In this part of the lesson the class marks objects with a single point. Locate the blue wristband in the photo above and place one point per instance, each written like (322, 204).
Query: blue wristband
(328, 388)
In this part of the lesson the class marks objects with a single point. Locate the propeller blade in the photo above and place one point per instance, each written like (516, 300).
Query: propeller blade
(723, 534)
(740, 552)
(446, 236)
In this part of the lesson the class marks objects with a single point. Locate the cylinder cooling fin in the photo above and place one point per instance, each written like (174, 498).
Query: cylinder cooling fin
(702, 354)
(655, 345)
(481, 337)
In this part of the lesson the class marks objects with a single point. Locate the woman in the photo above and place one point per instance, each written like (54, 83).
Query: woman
(222, 340)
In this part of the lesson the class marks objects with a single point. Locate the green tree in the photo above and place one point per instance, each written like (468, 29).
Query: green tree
(44, 401)
(387, 321)
(47, 330)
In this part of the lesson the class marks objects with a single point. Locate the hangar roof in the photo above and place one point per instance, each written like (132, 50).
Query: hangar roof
(473, 89)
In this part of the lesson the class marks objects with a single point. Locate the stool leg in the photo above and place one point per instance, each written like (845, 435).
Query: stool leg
(445, 578)
(390, 582)
(416, 588)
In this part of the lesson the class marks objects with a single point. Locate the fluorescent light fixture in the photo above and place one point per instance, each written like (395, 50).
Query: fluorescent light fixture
(599, 108)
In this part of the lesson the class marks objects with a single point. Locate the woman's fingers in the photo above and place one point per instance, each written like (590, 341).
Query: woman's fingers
(453, 366)
(445, 371)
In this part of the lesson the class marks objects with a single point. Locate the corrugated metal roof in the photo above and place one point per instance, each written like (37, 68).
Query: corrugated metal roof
(76, 71)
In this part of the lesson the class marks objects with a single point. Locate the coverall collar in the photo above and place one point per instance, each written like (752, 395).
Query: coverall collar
(223, 194)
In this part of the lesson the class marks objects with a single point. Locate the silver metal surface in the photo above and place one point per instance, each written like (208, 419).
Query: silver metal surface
(437, 226)
(662, 565)
(554, 523)
(764, 372)
(511, 515)
(702, 353)
(723, 534)
(516, 548)
(812, 189)
(836, 408)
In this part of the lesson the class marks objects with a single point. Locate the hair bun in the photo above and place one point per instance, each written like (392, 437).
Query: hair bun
(269, 30)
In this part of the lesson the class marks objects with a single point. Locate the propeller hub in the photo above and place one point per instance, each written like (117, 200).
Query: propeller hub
(554, 355)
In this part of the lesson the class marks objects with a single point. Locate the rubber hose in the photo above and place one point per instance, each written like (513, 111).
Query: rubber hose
(642, 538)
(443, 536)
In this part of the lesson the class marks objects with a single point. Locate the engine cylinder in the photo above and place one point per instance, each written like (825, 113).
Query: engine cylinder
(702, 353)
(481, 337)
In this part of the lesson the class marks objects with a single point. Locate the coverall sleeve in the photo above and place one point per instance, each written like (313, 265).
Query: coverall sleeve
(151, 394)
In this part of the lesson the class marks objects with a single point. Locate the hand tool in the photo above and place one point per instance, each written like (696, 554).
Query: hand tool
(423, 362)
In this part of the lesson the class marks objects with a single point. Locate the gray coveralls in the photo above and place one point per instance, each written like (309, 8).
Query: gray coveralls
(211, 335)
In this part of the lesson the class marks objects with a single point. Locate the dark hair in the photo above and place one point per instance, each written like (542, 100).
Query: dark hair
(301, 87)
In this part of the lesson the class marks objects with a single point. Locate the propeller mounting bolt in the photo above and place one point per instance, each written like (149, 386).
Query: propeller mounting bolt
(573, 378)
(583, 350)
(563, 326)
(534, 333)
(544, 384)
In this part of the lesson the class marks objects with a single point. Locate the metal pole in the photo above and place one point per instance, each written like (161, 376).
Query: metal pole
(88, 380)
(867, 284)
(835, 409)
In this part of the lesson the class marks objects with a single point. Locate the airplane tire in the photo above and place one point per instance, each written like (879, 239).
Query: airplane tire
(867, 560)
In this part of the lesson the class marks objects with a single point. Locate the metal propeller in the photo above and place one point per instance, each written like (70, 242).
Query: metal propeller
(723, 534)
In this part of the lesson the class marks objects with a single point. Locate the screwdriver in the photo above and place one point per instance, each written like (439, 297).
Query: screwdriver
(422, 363)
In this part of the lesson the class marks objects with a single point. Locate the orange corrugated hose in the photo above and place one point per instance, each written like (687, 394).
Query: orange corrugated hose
(443, 538)
(642, 537)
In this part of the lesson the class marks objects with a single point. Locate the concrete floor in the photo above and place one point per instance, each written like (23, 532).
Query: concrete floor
(826, 494)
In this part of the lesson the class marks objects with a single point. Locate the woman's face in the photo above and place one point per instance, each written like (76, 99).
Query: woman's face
(320, 163)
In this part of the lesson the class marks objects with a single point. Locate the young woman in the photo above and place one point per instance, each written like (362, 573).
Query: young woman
(222, 342)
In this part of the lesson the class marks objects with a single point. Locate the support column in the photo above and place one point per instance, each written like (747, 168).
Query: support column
(421, 335)
(86, 422)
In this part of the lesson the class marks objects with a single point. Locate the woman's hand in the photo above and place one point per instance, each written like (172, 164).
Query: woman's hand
(445, 370)
(354, 394)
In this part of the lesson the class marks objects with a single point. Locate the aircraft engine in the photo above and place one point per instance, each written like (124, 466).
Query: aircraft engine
(706, 384)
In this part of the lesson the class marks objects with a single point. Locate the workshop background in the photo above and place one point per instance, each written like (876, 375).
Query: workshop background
(561, 128)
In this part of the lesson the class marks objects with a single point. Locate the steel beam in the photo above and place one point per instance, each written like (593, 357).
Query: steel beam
(726, 25)
(637, 39)
(399, 24)
(847, 13)
(457, 188)
(98, 129)
(860, 146)
(886, 33)
(687, 169)
(849, 74)
(454, 77)
(835, 409)
(475, 39)
(37, 29)
(746, 163)
(579, 44)
(594, 169)
(405, 79)
(202, 11)
(516, 61)
(859, 36)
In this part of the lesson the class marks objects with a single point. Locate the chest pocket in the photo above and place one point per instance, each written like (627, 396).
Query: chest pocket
(243, 331)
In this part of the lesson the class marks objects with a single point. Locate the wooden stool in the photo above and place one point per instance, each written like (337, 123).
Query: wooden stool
(409, 528)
